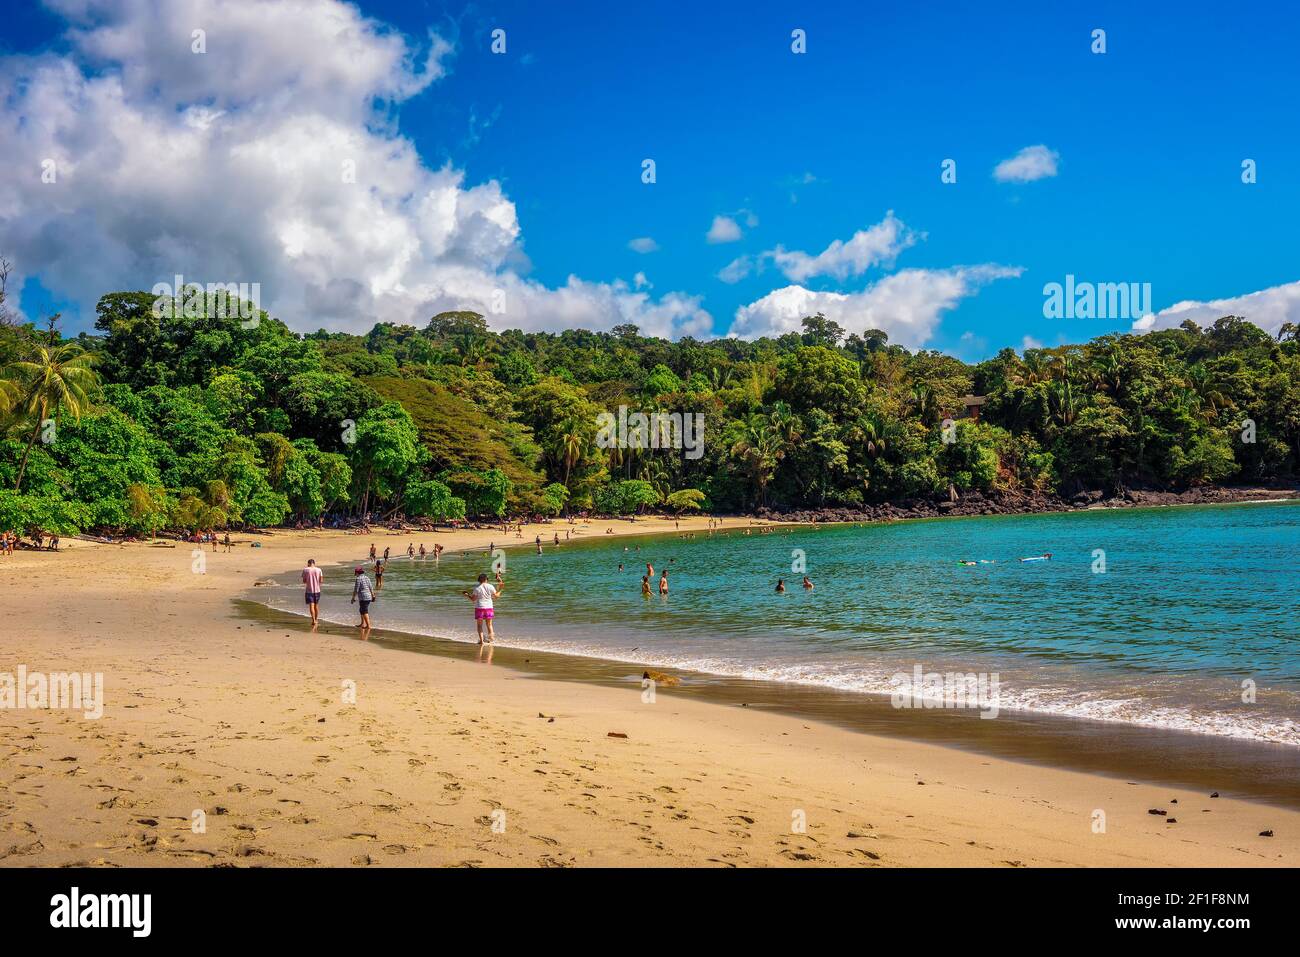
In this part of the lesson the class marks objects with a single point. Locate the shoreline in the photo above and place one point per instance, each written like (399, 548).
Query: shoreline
(1159, 732)
(1251, 769)
(207, 711)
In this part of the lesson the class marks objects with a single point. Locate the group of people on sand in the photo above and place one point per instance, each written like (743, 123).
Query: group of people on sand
(9, 541)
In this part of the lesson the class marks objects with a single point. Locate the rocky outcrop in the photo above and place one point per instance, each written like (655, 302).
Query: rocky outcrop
(1023, 503)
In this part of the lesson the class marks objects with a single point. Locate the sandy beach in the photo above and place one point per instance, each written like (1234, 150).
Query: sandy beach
(459, 762)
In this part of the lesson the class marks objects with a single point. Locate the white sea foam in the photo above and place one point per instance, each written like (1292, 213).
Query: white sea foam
(1039, 698)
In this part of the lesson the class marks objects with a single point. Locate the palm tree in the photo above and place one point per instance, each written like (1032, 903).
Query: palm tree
(785, 423)
(1209, 399)
(927, 406)
(56, 378)
(872, 429)
(571, 443)
(759, 448)
(1062, 401)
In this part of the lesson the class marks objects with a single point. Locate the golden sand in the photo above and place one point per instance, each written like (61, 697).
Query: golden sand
(456, 762)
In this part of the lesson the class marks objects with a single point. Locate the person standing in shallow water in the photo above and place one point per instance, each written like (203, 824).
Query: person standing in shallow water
(311, 579)
(663, 584)
(482, 596)
(362, 594)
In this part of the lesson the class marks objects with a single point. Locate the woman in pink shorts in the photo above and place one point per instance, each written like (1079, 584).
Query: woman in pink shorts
(482, 597)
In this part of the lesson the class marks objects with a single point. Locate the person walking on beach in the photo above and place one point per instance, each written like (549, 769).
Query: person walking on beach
(362, 594)
(372, 551)
(385, 554)
(311, 579)
(482, 596)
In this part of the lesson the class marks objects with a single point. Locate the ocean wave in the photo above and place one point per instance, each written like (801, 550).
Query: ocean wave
(856, 677)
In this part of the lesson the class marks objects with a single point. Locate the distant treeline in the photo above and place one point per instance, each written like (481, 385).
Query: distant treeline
(215, 420)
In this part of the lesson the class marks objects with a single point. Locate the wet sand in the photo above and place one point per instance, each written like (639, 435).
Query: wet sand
(1257, 771)
(446, 759)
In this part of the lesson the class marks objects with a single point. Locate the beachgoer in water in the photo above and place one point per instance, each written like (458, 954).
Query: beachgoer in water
(663, 583)
(780, 586)
(364, 594)
(372, 551)
(379, 574)
(645, 585)
(807, 583)
(311, 579)
(482, 596)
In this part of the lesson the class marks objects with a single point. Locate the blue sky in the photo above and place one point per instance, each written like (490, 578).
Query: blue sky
(1148, 137)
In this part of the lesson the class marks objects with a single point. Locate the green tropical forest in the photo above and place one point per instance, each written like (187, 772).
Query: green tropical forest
(213, 421)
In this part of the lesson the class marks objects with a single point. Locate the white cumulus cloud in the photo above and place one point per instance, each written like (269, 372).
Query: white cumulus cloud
(1031, 163)
(724, 230)
(736, 270)
(273, 157)
(908, 304)
(1267, 308)
(878, 245)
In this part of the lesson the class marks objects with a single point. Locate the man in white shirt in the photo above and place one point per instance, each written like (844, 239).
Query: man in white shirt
(482, 597)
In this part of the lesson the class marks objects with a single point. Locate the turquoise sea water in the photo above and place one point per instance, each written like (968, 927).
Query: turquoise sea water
(1192, 603)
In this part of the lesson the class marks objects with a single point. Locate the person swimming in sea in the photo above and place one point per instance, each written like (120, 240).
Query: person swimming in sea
(780, 586)
(807, 583)
(1045, 557)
